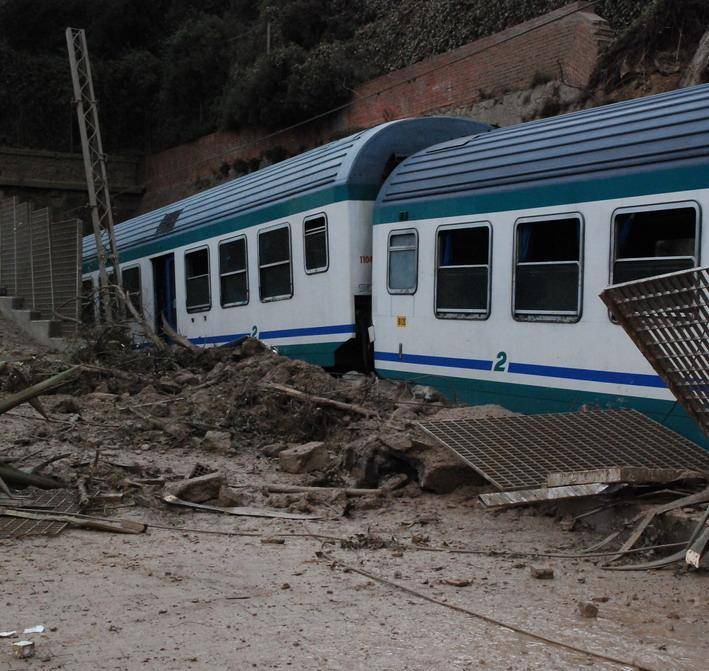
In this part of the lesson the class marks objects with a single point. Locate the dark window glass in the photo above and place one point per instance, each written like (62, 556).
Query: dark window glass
(548, 269)
(275, 264)
(315, 237)
(274, 246)
(654, 242)
(88, 302)
(198, 296)
(131, 285)
(403, 262)
(462, 274)
(233, 276)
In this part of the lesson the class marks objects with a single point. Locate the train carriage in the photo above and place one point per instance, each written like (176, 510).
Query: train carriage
(490, 253)
(283, 254)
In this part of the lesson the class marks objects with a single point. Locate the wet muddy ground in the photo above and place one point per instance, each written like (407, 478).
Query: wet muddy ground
(177, 598)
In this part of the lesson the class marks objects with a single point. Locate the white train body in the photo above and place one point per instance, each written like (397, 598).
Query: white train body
(478, 267)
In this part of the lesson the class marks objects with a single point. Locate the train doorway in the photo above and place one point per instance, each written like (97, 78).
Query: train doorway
(164, 291)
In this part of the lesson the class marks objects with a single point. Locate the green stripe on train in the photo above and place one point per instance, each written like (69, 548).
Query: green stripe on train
(559, 193)
(282, 210)
(530, 399)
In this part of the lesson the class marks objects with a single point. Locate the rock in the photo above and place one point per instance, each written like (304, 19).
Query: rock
(23, 649)
(587, 609)
(393, 481)
(368, 502)
(186, 378)
(396, 442)
(458, 582)
(67, 406)
(101, 396)
(217, 441)
(273, 449)
(698, 70)
(229, 498)
(197, 490)
(304, 458)
(426, 393)
(541, 572)
(168, 386)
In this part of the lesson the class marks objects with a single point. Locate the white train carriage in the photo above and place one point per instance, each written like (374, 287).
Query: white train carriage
(283, 254)
(491, 251)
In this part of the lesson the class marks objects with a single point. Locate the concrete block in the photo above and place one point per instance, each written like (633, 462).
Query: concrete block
(304, 458)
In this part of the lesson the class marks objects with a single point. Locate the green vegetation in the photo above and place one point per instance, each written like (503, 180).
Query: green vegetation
(170, 70)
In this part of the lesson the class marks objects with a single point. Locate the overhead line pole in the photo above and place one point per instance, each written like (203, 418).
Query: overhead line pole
(94, 162)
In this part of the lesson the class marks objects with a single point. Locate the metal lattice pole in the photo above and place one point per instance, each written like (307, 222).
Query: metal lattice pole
(94, 162)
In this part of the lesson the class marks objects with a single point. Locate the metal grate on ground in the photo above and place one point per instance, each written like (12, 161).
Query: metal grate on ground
(667, 317)
(519, 452)
(54, 501)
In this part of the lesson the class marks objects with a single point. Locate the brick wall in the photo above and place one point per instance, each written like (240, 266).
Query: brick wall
(560, 45)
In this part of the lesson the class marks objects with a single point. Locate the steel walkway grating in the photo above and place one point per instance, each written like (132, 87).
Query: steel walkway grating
(667, 317)
(53, 501)
(518, 452)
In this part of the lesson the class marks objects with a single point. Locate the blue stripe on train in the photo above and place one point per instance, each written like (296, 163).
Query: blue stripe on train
(449, 362)
(610, 377)
(282, 333)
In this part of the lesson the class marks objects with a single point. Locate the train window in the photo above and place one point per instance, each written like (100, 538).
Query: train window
(274, 254)
(547, 281)
(463, 272)
(197, 290)
(233, 273)
(315, 244)
(88, 302)
(403, 262)
(650, 242)
(132, 286)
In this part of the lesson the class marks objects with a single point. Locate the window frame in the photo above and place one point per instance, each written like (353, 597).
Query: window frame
(472, 315)
(673, 205)
(207, 306)
(549, 316)
(140, 284)
(326, 267)
(402, 231)
(269, 229)
(234, 272)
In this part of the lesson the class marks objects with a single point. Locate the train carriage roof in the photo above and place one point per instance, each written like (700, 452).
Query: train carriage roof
(350, 168)
(656, 144)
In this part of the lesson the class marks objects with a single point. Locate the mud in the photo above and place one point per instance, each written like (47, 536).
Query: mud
(175, 598)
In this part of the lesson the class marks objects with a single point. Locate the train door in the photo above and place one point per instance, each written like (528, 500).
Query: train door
(165, 295)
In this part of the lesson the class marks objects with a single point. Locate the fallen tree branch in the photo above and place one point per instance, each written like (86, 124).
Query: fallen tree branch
(16, 476)
(40, 388)
(148, 331)
(83, 522)
(177, 338)
(300, 489)
(318, 400)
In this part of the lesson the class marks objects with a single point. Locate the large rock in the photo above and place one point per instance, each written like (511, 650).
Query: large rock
(217, 441)
(304, 458)
(698, 69)
(197, 490)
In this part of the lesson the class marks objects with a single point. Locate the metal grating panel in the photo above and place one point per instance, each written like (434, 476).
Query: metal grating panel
(23, 254)
(518, 452)
(667, 317)
(41, 263)
(55, 501)
(7, 245)
(65, 241)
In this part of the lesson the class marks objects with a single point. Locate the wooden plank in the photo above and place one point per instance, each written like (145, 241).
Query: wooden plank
(627, 474)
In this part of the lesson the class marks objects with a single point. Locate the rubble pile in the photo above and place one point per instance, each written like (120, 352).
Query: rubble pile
(244, 399)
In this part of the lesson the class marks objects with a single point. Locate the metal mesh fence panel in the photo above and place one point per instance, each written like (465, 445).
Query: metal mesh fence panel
(23, 254)
(667, 317)
(65, 243)
(7, 245)
(41, 263)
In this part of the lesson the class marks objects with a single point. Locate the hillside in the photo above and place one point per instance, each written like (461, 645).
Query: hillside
(170, 70)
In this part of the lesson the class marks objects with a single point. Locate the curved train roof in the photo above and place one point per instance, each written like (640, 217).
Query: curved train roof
(352, 167)
(653, 143)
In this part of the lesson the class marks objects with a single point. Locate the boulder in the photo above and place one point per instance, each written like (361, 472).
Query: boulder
(273, 449)
(229, 498)
(217, 441)
(197, 490)
(304, 458)
(186, 378)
